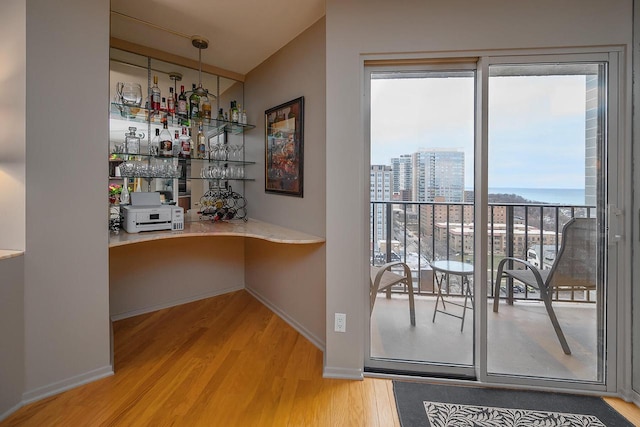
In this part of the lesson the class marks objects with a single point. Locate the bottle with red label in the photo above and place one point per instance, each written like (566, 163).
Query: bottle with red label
(185, 143)
(155, 95)
(166, 142)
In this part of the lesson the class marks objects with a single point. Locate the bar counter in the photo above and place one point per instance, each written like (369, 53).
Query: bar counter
(251, 228)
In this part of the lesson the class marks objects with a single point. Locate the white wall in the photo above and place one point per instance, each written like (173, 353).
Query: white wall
(11, 334)
(416, 27)
(67, 331)
(290, 279)
(12, 123)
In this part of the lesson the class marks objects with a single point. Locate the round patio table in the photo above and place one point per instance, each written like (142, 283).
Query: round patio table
(456, 268)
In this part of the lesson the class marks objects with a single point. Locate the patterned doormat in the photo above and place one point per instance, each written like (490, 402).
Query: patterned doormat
(421, 404)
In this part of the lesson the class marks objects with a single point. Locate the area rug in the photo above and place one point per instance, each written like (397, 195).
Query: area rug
(421, 404)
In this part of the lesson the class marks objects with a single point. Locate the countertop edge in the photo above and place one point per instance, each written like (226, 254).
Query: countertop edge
(6, 254)
(252, 229)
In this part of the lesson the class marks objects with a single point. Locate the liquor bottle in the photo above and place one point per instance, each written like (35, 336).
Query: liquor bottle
(185, 144)
(182, 110)
(220, 115)
(202, 147)
(205, 107)
(177, 146)
(171, 105)
(243, 117)
(194, 105)
(164, 113)
(154, 149)
(233, 112)
(155, 95)
(166, 142)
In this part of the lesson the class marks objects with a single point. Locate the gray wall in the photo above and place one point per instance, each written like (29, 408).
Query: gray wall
(416, 28)
(149, 276)
(12, 122)
(67, 331)
(292, 282)
(11, 334)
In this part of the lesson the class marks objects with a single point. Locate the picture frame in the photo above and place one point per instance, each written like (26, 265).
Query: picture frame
(284, 148)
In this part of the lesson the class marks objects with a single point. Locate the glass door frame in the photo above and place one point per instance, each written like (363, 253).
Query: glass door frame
(614, 261)
(379, 365)
(618, 197)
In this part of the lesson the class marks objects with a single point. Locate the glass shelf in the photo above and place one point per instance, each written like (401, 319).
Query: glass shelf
(113, 178)
(141, 115)
(223, 179)
(124, 157)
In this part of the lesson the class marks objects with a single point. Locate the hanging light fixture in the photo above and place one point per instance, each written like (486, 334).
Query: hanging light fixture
(200, 43)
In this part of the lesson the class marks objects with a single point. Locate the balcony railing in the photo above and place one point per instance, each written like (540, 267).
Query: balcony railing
(419, 232)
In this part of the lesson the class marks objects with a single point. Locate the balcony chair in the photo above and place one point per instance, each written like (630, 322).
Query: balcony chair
(383, 278)
(574, 269)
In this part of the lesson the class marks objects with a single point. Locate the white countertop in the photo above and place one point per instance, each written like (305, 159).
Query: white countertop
(5, 254)
(252, 228)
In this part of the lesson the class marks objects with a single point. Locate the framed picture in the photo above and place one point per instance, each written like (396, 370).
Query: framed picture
(284, 137)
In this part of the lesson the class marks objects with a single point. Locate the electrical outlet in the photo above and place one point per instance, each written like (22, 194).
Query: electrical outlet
(340, 324)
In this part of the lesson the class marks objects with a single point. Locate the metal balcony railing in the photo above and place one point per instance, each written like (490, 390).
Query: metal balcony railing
(420, 232)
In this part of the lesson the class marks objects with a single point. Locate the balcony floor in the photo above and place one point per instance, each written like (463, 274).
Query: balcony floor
(521, 339)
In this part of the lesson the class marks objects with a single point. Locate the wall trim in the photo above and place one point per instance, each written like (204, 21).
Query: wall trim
(342, 373)
(144, 310)
(11, 411)
(315, 340)
(66, 384)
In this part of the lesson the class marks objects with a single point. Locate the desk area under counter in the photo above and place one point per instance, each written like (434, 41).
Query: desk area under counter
(152, 270)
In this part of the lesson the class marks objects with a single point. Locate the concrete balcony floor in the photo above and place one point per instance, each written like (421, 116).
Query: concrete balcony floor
(521, 339)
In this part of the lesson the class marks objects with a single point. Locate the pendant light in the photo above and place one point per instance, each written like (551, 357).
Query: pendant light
(201, 43)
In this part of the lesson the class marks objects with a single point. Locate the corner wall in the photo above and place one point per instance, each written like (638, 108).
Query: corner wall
(290, 279)
(11, 334)
(67, 330)
(416, 28)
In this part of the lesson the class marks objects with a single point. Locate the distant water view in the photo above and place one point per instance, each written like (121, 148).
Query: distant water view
(569, 196)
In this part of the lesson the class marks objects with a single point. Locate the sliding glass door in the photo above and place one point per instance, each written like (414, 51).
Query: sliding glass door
(491, 182)
(547, 185)
(421, 181)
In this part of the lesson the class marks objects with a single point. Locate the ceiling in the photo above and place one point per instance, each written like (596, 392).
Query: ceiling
(241, 33)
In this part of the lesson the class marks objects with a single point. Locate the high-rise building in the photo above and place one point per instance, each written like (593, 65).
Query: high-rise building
(438, 175)
(402, 173)
(381, 190)
(591, 139)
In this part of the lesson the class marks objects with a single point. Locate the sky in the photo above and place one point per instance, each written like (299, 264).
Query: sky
(536, 126)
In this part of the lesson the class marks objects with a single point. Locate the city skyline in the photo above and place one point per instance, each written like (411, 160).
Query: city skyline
(536, 126)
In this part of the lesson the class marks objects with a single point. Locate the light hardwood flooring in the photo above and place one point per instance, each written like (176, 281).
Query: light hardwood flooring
(223, 361)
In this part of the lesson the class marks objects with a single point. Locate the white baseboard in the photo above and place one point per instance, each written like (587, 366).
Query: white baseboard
(342, 373)
(66, 384)
(315, 340)
(10, 411)
(144, 310)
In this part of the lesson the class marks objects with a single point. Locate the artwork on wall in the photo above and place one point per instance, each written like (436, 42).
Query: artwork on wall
(284, 139)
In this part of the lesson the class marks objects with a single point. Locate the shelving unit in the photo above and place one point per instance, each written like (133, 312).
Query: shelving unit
(193, 179)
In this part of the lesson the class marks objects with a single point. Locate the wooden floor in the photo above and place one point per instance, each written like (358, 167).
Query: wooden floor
(224, 361)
